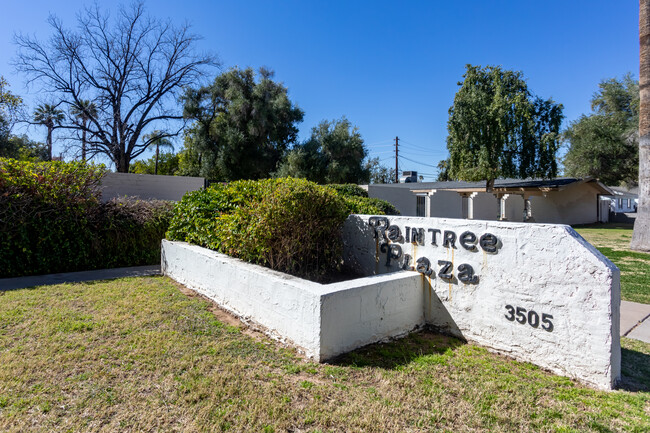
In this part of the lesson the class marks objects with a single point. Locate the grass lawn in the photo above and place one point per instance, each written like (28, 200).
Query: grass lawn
(613, 240)
(138, 354)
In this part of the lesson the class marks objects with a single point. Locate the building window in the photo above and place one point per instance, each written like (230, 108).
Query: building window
(620, 203)
(420, 208)
(629, 203)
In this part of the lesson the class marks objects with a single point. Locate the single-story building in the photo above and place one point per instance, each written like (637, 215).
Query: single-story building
(624, 200)
(557, 201)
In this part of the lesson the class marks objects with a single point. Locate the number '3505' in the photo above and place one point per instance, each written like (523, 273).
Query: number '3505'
(523, 316)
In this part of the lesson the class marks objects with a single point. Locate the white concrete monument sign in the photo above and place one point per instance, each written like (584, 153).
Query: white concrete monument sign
(539, 293)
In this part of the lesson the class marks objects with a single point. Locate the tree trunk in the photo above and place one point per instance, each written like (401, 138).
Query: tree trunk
(49, 142)
(83, 142)
(641, 234)
(122, 164)
(155, 170)
(489, 185)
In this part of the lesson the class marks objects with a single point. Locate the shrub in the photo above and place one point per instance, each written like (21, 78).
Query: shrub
(349, 190)
(358, 202)
(128, 231)
(52, 220)
(370, 206)
(291, 225)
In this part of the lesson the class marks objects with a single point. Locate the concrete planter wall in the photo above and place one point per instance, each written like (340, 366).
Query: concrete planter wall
(322, 320)
(538, 293)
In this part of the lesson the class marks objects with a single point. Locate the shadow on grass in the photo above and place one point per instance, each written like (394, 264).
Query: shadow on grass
(635, 371)
(399, 352)
(635, 365)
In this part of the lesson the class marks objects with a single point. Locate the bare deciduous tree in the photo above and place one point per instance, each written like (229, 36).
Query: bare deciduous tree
(133, 67)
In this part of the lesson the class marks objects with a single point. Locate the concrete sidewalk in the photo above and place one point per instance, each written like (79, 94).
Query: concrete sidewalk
(635, 321)
(635, 317)
(76, 277)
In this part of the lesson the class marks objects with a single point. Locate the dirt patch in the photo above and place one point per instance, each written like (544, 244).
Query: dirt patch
(251, 329)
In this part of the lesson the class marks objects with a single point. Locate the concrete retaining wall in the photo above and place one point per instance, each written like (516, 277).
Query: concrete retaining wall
(148, 186)
(322, 320)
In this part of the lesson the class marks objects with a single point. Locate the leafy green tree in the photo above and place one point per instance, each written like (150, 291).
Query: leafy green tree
(243, 125)
(160, 140)
(50, 117)
(380, 173)
(166, 164)
(443, 171)
(82, 112)
(9, 104)
(22, 148)
(604, 143)
(334, 153)
(497, 128)
(190, 158)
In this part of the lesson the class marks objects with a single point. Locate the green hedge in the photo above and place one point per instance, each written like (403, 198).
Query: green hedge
(291, 225)
(349, 189)
(52, 220)
(357, 201)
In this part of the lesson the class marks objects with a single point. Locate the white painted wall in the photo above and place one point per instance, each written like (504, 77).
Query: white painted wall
(515, 208)
(445, 204)
(368, 310)
(577, 204)
(549, 269)
(486, 206)
(402, 198)
(322, 320)
(148, 186)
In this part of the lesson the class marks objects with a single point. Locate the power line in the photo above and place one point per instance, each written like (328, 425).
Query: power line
(379, 142)
(419, 162)
(416, 146)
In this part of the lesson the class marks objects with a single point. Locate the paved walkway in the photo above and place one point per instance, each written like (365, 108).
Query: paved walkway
(635, 321)
(76, 277)
(635, 317)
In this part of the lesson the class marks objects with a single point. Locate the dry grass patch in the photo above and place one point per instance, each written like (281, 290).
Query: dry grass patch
(140, 355)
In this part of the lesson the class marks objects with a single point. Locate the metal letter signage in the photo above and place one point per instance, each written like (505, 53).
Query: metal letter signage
(390, 239)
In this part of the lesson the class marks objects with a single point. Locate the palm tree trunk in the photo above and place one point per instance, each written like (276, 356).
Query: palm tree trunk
(155, 170)
(49, 142)
(641, 234)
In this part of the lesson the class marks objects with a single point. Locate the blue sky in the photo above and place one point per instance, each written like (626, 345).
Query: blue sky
(390, 67)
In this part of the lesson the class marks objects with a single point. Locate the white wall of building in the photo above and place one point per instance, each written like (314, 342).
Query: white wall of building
(576, 204)
(515, 208)
(402, 198)
(445, 204)
(485, 206)
(148, 186)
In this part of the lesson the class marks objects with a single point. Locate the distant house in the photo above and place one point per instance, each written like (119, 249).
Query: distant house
(623, 200)
(557, 201)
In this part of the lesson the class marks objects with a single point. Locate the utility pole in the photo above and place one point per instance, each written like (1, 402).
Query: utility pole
(396, 164)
